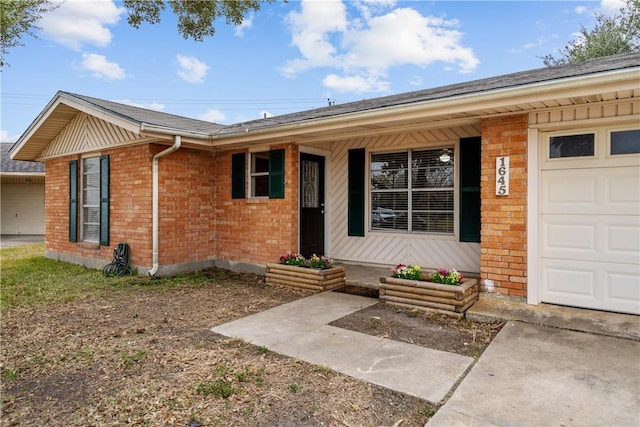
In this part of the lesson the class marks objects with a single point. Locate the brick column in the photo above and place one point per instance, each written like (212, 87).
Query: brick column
(503, 251)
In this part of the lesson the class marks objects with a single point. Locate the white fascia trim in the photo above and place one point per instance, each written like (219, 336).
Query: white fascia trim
(454, 104)
(147, 128)
(533, 218)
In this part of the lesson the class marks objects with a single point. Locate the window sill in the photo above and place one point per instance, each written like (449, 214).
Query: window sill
(257, 200)
(89, 245)
(407, 235)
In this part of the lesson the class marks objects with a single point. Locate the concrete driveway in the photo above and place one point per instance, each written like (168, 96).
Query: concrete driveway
(533, 375)
(12, 240)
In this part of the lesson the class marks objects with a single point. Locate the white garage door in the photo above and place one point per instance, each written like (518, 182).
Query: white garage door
(22, 209)
(590, 219)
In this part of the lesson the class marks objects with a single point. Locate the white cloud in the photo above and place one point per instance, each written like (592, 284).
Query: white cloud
(101, 68)
(78, 22)
(530, 45)
(157, 106)
(6, 137)
(247, 23)
(611, 7)
(580, 10)
(311, 29)
(362, 49)
(212, 115)
(358, 84)
(191, 69)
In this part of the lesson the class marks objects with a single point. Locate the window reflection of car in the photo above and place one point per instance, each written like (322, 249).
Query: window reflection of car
(382, 214)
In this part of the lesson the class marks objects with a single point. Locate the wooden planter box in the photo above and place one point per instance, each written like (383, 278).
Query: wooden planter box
(424, 295)
(307, 278)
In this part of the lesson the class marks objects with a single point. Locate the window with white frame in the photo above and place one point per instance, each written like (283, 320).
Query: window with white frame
(91, 199)
(625, 142)
(413, 191)
(260, 174)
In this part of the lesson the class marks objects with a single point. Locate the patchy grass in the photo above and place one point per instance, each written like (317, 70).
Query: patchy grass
(28, 278)
(80, 349)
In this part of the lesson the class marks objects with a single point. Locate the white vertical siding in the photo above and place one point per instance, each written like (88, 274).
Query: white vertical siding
(392, 248)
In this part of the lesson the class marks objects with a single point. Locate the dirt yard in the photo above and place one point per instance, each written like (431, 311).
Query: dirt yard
(144, 355)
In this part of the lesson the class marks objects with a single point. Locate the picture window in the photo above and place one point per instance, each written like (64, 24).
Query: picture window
(413, 191)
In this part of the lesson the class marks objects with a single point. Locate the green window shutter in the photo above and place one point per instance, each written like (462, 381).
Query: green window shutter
(276, 174)
(470, 189)
(104, 200)
(238, 169)
(73, 201)
(356, 189)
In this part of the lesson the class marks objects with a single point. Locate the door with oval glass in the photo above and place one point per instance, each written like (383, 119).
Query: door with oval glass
(312, 206)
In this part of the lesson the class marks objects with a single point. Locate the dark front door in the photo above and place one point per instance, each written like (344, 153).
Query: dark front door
(311, 205)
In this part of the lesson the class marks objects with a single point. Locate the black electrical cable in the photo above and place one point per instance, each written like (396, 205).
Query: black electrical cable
(120, 264)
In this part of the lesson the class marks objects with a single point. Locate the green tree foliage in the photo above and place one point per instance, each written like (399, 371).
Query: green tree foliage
(611, 35)
(195, 18)
(19, 18)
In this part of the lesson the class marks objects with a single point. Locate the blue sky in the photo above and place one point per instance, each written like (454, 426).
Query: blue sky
(286, 57)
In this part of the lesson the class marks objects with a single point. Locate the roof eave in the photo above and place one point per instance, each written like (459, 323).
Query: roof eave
(80, 105)
(148, 129)
(622, 79)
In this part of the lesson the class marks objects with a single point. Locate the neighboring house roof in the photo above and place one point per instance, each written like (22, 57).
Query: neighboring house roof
(595, 80)
(17, 166)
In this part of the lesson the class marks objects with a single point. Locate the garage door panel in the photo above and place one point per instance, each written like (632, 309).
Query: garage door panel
(622, 193)
(598, 285)
(578, 281)
(609, 238)
(562, 194)
(591, 191)
(623, 285)
(623, 239)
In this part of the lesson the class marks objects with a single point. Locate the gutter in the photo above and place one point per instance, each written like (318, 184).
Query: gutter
(177, 140)
(489, 98)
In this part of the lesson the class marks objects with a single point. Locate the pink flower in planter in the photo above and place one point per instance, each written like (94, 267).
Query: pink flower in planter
(446, 276)
(410, 272)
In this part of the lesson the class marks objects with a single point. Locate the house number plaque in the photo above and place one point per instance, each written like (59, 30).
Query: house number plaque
(502, 176)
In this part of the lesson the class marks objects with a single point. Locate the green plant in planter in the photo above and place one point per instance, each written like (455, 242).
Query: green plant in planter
(446, 276)
(409, 272)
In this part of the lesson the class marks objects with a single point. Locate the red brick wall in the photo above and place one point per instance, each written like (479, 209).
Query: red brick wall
(257, 230)
(503, 251)
(130, 208)
(191, 226)
(186, 194)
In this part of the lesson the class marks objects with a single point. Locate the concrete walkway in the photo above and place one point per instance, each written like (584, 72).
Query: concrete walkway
(299, 330)
(533, 375)
(530, 375)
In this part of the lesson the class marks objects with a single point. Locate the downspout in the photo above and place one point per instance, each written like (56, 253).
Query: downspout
(177, 140)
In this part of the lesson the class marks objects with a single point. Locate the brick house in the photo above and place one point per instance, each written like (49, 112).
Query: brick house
(528, 180)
